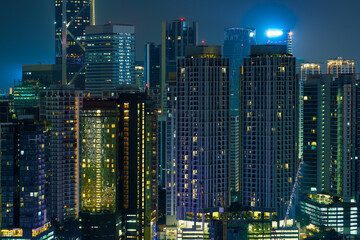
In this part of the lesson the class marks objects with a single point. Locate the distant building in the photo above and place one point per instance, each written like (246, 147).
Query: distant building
(340, 66)
(24, 158)
(175, 36)
(152, 71)
(280, 37)
(237, 42)
(269, 129)
(309, 69)
(202, 123)
(140, 76)
(110, 57)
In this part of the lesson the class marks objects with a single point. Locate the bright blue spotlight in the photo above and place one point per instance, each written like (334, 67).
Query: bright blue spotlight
(273, 33)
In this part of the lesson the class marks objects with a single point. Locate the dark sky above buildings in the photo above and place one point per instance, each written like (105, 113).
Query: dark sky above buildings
(323, 29)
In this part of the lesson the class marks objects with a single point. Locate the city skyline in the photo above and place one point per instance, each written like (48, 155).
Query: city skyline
(313, 24)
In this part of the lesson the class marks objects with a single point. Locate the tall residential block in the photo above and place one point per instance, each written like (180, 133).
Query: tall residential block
(330, 142)
(152, 69)
(110, 57)
(202, 120)
(60, 107)
(175, 36)
(24, 195)
(269, 129)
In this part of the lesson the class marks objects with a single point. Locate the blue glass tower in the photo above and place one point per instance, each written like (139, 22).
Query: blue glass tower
(237, 44)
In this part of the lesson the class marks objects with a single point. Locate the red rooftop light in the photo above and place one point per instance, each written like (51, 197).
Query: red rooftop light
(181, 19)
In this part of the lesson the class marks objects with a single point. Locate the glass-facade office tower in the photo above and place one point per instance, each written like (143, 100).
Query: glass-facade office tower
(119, 167)
(279, 37)
(99, 169)
(24, 157)
(110, 57)
(330, 143)
(269, 129)
(81, 18)
(202, 121)
(340, 66)
(60, 107)
(237, 42)
(152, 69)
(175, 36)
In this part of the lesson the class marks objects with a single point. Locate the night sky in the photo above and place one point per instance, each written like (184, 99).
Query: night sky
(323, 29)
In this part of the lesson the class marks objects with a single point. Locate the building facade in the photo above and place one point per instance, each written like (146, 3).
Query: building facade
(202, 121)
(110, 57)
(119, 171)
(332, 212)
(24, 174)
(269, 128)
(152, 71)
(60, 107)
(330, 157)
(81, 14)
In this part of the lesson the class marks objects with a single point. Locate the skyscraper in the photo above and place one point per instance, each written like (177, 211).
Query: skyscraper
(306, 69)
(80, 14)
(340, 66)
(202, 122)
(175, 36)
(60, 107)
(99, 169)
(279, 37)
(152, 69)
(237, 42)
(269, 129)
(119, 171)
(330, 158)
(24, 155)
(110, 57)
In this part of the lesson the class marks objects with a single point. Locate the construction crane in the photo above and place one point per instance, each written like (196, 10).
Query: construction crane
(291, 197)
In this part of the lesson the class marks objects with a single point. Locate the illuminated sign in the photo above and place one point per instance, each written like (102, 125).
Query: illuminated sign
(252, 34)
(273, 33)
